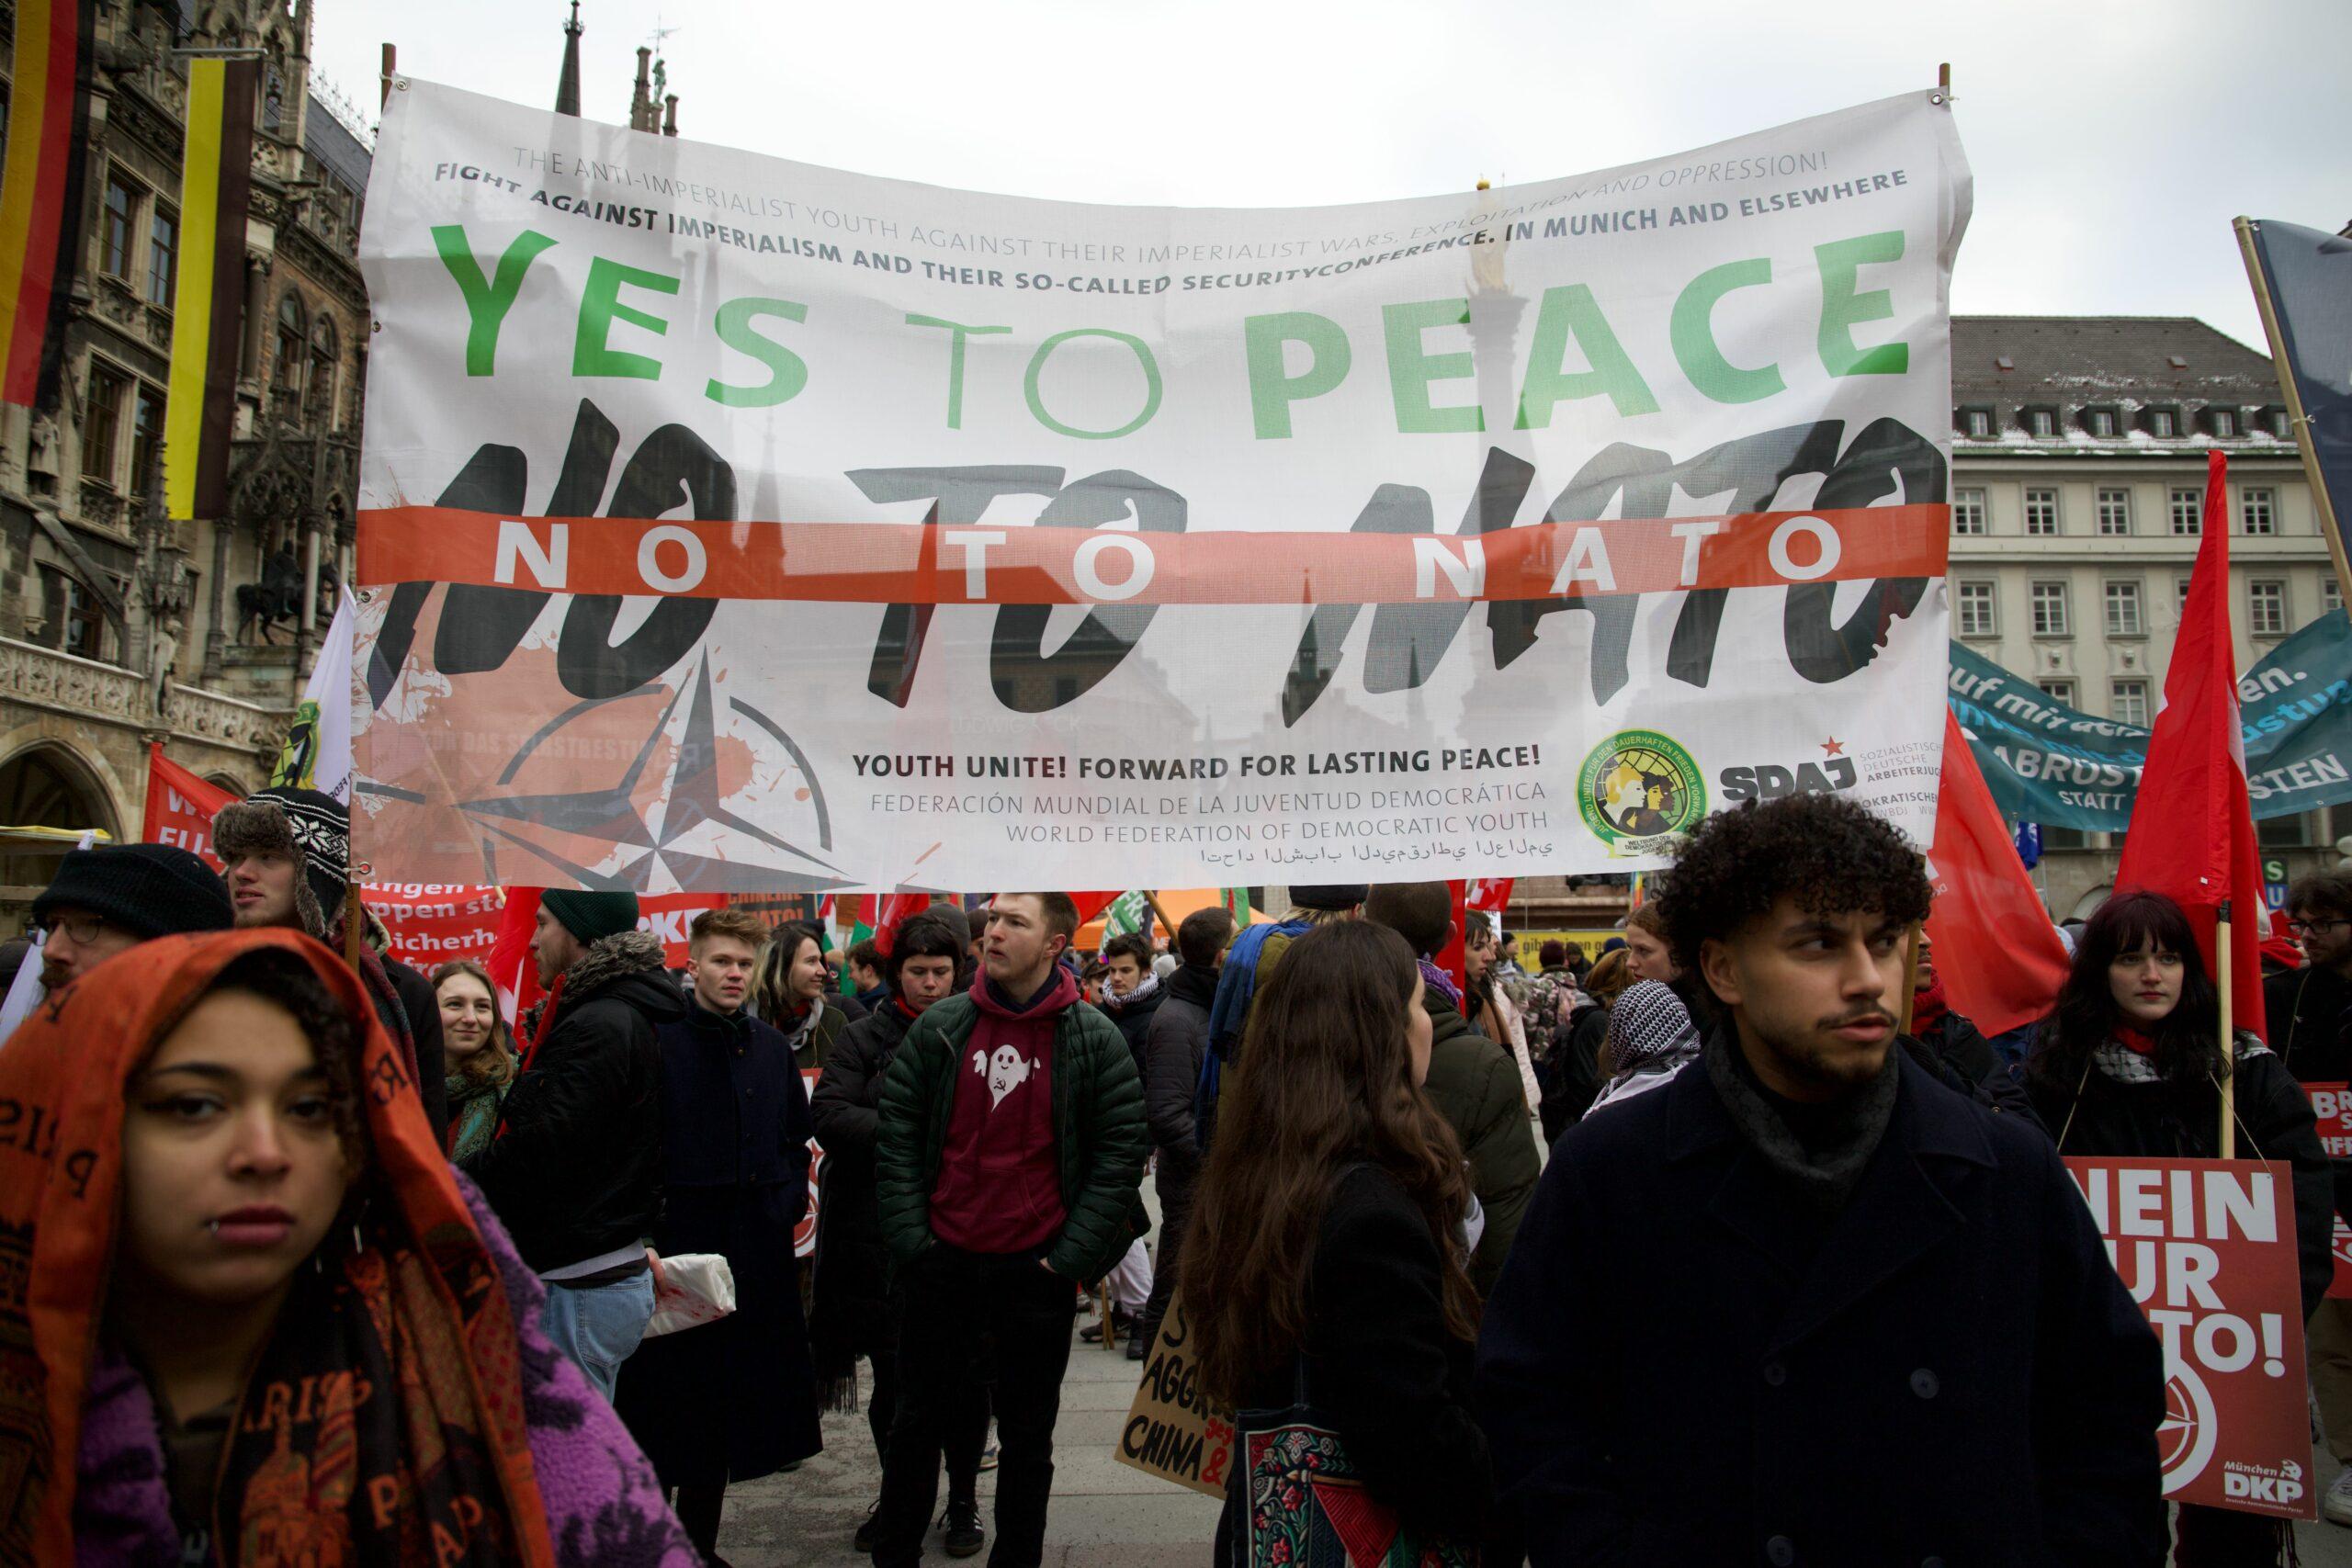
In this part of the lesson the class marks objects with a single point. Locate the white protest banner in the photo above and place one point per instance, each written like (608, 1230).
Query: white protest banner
(738, 524)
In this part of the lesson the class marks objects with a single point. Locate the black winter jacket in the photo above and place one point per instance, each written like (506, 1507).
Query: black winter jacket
(1382, 1367)
(1135, 1022)
(577, 1172)
(422, 1010)
(1173, 1049)
(852, 1264)
(2310, 1015)
(1572, 1074)
(2161, 1122)
(1672, 1301)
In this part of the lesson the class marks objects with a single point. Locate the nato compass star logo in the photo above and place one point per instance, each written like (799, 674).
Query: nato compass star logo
(608, 818)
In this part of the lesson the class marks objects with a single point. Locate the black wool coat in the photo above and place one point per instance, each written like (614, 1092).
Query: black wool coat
(852, 1316)
(734, 1399)
(1682, 1365)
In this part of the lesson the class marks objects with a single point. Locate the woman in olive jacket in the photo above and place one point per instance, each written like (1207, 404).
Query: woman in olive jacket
(1326, 1252)
(2127, 1065)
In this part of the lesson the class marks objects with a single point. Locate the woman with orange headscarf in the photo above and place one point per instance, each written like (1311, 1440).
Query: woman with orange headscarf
(248, 1314)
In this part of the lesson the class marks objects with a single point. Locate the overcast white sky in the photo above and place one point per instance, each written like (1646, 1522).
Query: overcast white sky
(2112, 140)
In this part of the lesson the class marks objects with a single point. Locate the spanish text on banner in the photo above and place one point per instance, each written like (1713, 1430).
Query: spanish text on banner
(730, 523)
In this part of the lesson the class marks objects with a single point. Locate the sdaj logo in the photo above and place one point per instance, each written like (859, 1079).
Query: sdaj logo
(1638, 788)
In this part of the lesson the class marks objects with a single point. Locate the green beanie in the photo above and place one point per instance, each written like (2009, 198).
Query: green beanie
(591, 917)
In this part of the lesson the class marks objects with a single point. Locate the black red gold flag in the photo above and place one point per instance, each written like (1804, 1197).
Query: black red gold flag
(40, 191)
(215, 185)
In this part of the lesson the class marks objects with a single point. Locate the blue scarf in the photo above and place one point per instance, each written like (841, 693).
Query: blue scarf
(1238, 985)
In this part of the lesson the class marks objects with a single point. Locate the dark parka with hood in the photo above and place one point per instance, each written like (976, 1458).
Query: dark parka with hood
(577, 1173)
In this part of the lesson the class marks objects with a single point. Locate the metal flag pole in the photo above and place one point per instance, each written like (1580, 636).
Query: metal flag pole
(2228, 1146)
(2297, 420)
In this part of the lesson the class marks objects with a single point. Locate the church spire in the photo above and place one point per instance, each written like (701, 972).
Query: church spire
(567, 88)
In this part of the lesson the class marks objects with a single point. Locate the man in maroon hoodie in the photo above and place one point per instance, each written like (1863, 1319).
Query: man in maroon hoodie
(1009, 1162)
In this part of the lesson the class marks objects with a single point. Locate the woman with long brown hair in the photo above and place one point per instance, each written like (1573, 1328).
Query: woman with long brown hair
(1325, 1256)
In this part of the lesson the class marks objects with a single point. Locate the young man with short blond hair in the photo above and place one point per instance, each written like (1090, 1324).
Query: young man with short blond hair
(735, 1399)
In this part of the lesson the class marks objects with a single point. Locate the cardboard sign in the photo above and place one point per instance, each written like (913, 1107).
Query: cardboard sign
(2207, 1247)
(2331, 1104)
(1172, 1430)
(804, 1235)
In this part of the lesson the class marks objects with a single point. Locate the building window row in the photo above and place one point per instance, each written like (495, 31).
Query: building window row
(2257, 512)
(2106, 421)
(1976, 607)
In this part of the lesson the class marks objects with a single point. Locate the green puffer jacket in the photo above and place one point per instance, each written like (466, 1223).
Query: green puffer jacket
(1099, 1132)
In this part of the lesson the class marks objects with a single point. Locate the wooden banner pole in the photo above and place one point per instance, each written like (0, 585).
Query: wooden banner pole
(2228, 1144)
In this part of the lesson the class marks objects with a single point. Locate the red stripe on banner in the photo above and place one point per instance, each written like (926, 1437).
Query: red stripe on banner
(900, 563)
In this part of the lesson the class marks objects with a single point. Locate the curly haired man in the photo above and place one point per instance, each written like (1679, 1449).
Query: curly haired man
(1805, 1304)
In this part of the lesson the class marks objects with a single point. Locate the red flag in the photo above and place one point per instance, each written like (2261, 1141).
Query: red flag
(1092, 904)
(2192, 829)
(511, 968)
(2000, 957)
(1454, 958)
(1493, 897)
(180, 806)
(896, 908)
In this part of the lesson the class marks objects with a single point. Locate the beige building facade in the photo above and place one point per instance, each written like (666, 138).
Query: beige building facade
(2078, 478)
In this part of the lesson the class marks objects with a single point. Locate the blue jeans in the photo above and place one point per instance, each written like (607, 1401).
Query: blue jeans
(599, 1326)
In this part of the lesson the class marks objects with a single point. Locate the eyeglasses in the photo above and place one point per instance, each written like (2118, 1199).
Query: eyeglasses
(83, 928)
(2314, 927)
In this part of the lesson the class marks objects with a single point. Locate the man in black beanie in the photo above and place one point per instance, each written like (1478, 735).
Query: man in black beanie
(575, 1171)
(111, 899)
(286, 854)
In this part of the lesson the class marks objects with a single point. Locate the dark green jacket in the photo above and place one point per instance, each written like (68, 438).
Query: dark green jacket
(1474, 1085)
(1099, 1135)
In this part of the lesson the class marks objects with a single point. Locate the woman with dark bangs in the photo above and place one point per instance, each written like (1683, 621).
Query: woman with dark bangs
(1326, 1249)
(2128, 1064)
(270, 1323)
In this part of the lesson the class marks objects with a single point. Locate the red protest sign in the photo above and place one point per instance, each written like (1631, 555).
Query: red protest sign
(180, 806)
(2207, 1247)
(433, 923)
(2331, 1104)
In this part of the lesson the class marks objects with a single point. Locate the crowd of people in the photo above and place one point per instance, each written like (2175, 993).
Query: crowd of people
(1731, 1242)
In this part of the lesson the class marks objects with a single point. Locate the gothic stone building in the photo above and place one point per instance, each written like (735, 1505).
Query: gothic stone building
(118, 627)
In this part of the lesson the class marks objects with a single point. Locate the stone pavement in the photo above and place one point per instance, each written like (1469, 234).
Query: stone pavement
(1104, 1515)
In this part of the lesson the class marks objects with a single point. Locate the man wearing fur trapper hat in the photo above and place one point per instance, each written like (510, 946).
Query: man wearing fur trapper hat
(286, 855)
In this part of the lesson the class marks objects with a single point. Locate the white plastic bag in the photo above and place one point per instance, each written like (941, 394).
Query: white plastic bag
(696, 1288)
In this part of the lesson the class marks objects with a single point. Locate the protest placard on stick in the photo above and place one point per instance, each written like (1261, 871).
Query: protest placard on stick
(1172, 1429)
(2207, 1247)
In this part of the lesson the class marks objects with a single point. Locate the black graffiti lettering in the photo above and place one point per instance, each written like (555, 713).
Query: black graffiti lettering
(670, 467)
(1886, 455)
(1029, 680)
(958, 496)
(480, 625)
